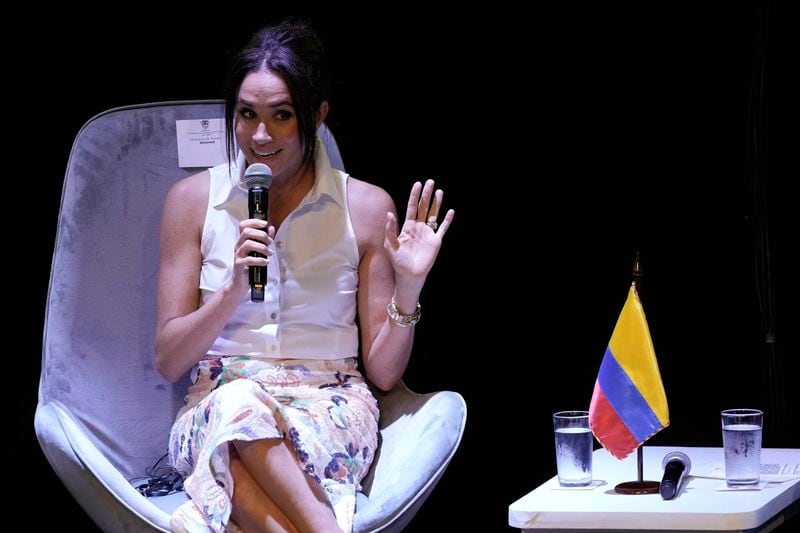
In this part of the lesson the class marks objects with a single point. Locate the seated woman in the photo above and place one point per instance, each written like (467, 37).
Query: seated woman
(279, 426)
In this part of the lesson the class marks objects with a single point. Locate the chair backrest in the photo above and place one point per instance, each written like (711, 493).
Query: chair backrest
(98, 349)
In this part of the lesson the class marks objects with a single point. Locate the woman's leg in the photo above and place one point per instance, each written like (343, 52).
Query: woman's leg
(253, 509)
(272, 465)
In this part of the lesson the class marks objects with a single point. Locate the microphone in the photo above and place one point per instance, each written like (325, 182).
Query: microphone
(676, 467)
(257, 178)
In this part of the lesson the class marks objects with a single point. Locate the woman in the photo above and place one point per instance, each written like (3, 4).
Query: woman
(279, 426)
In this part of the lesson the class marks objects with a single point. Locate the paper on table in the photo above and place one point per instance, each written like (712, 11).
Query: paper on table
(770, 472)
(780, 471)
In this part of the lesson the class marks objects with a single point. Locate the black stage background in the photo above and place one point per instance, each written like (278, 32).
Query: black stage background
(566, 138)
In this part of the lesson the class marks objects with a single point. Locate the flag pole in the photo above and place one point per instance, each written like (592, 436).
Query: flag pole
(640, 486)
(637, 279)
(640, 464)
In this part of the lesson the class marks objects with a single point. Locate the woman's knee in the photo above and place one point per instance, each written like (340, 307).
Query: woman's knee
(238, 394)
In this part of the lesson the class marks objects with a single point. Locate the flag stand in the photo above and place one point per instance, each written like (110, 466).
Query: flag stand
(640, 486)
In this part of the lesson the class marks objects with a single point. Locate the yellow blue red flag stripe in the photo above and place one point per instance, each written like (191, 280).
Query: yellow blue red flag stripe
(629, 404)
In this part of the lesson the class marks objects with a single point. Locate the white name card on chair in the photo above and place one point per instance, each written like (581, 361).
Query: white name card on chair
(201, 142)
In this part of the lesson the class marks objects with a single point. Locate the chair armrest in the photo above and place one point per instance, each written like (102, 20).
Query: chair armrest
(420, 433)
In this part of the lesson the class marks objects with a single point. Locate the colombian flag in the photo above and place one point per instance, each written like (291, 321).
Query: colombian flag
(628, 404)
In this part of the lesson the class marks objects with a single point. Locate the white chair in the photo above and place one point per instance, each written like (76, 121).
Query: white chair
(104, 412)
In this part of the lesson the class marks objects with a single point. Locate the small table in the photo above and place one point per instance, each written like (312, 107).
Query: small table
(700, 505)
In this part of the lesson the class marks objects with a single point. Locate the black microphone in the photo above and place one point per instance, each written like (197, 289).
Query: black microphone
(676, 467)
(257, 178)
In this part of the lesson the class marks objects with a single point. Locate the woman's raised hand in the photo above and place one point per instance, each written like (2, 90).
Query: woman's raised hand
(414, 250)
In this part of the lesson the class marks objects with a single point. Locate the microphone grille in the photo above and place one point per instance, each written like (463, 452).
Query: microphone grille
(257, 174)
(677, 456)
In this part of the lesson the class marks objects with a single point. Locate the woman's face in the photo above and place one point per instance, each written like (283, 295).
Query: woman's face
(266, 125)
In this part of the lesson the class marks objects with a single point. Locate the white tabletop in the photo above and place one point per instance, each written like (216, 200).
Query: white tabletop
(704, 503)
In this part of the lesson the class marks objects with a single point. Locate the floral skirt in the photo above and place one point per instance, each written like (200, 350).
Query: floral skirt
(322, 409)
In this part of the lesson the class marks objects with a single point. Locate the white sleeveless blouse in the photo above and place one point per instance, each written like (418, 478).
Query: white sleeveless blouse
(309, 305)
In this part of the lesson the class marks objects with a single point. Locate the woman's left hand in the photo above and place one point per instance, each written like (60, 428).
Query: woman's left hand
(414, 250)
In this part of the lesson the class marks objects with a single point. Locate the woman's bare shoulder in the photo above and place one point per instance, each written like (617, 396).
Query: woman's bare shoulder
(368, 200)
(192, 188)
(368, 205)
(187, 199)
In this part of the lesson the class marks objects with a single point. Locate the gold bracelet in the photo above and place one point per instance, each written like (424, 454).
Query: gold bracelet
(405, 321)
